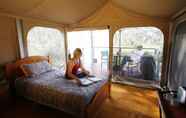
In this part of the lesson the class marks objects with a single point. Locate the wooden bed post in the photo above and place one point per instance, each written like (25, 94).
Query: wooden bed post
(93, 108)
(110, 84)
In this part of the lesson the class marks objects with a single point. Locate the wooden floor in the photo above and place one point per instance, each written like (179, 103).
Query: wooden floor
(125, 102)
(130, 102)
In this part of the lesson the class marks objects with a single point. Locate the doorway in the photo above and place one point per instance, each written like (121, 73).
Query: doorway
(95, 47)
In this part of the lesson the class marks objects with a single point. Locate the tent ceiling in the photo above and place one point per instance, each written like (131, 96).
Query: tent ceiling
(157, 8)
(64, 11)
(72, 11)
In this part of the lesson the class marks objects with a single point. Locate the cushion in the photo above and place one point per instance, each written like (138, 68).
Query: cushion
(36, 68)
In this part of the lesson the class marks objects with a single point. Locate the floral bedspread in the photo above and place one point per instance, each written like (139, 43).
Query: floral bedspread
(54, 90)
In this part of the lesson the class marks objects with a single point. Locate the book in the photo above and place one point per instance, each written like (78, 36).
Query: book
(89, 80)
(85, 81)
(94, 79)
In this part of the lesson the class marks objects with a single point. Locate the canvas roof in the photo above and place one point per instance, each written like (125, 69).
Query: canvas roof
(73, 11)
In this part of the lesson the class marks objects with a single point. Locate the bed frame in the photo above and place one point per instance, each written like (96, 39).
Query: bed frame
(13, 71)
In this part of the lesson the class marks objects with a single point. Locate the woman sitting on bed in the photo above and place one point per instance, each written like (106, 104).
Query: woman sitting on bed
(75, 69)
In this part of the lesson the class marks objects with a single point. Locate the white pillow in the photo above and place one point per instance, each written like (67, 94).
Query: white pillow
(36, 68)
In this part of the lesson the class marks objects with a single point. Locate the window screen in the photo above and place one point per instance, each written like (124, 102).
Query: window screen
(44, 41)
(138, 55)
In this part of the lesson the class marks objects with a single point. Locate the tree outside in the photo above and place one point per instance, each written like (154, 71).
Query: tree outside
(47, 42)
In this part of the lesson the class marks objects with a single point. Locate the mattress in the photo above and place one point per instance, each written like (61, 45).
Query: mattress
(53, 89)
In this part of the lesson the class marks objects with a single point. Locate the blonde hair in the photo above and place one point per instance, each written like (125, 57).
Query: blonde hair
(77, 50)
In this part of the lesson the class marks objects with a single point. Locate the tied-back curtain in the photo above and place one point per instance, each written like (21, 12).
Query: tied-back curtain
(178, 63)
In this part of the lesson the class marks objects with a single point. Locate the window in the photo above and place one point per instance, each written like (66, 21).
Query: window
(94, 45)
(137, 54)
(47, 42)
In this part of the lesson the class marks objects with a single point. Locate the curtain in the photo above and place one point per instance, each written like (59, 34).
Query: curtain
(177, 74)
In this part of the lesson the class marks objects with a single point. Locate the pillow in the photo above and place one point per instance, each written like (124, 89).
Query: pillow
(36, 68)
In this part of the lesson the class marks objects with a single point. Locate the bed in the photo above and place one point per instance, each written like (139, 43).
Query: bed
(54, 90)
